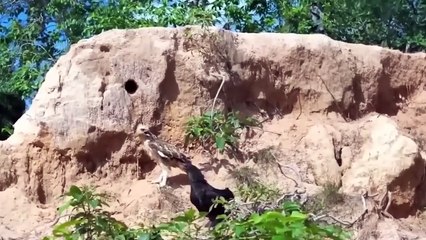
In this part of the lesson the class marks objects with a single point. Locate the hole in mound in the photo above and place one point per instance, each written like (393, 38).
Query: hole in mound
(338, 156)
(41, 194)
(131, 86)
(104, 48)
(91, 129)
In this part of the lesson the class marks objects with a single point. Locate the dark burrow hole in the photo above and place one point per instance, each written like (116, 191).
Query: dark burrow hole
(131, 86)
(104, 48)
(338, 156)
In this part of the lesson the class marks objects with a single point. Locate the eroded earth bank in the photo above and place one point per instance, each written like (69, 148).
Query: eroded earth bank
(345, 114)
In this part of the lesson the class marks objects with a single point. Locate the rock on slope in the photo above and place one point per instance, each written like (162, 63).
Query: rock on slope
(79, 128)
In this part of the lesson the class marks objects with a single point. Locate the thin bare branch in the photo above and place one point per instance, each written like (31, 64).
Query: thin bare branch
(217, 94)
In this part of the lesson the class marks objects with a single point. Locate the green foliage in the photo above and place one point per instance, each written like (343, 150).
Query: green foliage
(285, 222)
(11, 108)
(217, 128)
(297, 17)
(6, 130)
(89, 221)
(385, 23)
(182, 226)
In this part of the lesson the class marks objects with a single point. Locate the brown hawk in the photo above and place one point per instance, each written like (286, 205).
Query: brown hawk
(163, 153)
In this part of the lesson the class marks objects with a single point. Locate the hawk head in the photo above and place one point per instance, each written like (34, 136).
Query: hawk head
(143, 131)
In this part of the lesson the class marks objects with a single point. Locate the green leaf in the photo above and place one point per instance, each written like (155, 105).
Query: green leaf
(75, 192)
(144, 236)
(120, 237)
(94, 203)
(220, 142)
(291, 206)
(62, 229)
(62, 208)
(239, 230)
(277, 237)
(299, 215)
(102, 222)
(180, 226)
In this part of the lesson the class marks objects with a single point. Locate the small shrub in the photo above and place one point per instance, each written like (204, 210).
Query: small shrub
(216, 128)
(89, 221)
(287, 221)
(182, 226)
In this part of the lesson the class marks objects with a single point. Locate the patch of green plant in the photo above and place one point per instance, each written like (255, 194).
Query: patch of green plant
(182, 227)
(287, 221)
(89, 221)
(6, 130)
(218, 129)
(12, 106)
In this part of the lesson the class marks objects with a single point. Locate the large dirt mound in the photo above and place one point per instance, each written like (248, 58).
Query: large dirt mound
(320, 98)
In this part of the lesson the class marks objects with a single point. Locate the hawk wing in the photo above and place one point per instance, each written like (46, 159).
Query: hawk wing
(168, 152)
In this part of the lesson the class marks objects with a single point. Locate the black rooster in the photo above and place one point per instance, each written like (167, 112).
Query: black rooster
(202, 194)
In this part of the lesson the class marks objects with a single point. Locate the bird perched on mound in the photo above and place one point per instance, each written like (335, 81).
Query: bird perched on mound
(202, 194)
(165, 154)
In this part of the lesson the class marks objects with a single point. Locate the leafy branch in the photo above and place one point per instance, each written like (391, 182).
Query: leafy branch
(216, 128)
(88, 221)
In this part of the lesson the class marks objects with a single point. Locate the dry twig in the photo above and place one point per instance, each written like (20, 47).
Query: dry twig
(280, 167)
(387, 197)
(217, 94)
(364, 197)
